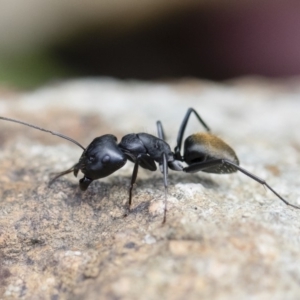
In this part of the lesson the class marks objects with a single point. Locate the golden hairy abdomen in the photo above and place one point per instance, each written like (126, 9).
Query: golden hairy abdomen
(205, 146)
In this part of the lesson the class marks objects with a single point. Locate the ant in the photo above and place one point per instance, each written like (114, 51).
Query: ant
(202, 152)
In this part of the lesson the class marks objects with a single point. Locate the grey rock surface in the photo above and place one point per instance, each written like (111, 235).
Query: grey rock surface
(226, 237)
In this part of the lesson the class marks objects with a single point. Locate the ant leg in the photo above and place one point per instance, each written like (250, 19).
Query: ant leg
(133, 179)
(182, 129)
(232, 167)
(165, 173)
(139, 158)
(160, 130)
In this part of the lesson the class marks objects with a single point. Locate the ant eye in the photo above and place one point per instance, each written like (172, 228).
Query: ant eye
(106, 159)
(91, 158)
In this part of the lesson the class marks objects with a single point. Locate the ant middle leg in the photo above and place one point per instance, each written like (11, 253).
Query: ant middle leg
(160, 130)
(145, 160)
(165, 174)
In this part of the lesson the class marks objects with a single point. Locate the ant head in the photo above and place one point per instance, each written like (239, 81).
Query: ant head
(102, 157)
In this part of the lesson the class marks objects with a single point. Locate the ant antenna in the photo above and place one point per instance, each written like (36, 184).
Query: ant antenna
(45, 130)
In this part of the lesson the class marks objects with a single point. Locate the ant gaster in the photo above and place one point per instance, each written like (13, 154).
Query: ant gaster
(202, 152)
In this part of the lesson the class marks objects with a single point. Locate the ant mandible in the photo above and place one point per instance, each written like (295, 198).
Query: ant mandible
(202, 152)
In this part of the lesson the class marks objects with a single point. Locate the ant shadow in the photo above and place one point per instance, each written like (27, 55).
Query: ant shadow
(116, 190)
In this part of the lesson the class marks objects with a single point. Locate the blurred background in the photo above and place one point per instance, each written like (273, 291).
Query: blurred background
(45, 41)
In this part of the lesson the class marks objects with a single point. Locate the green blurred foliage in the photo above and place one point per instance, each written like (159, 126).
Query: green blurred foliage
(31, 70)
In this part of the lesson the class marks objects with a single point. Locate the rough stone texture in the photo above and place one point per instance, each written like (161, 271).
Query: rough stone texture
(226, 237)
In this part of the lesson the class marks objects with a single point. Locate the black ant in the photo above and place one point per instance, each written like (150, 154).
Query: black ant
(202, 152)
(104, 156)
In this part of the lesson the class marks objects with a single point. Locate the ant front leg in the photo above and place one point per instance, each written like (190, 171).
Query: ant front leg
(182, 129)
(222, 166)
(140, 158)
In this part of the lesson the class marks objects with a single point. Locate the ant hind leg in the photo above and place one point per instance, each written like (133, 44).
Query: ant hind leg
(223, 165)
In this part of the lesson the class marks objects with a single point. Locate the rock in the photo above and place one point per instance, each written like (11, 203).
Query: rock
(225, 236)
